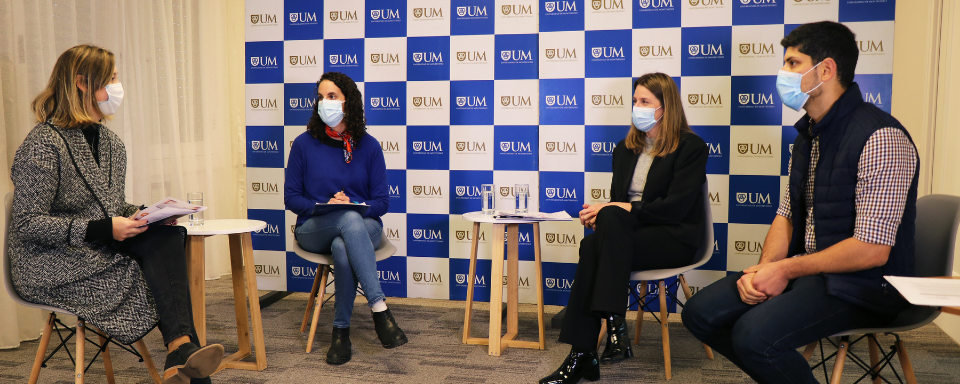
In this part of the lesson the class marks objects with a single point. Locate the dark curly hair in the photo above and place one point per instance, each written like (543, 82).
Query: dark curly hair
(352, 108)
(825, 39)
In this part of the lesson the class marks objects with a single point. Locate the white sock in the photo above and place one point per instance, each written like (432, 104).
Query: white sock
(379, 306)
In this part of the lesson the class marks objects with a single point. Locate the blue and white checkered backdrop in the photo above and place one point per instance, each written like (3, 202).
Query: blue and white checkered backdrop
(466, 92)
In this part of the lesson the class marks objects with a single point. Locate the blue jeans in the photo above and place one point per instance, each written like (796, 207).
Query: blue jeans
(351, 239)
(763, 339)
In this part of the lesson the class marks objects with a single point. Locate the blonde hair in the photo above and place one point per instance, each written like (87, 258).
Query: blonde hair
(673, 122)
(61, 101)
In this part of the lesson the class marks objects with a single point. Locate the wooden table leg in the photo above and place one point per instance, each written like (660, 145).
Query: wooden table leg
(195, 274)
(496, 292)
(539, 283)
(239, 293)
(254, 298)
(471, 276)
(513, 282)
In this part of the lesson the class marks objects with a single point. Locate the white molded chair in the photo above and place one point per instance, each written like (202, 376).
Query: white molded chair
(704, 252)
(324, 265)
(938, 217)
(54, 323)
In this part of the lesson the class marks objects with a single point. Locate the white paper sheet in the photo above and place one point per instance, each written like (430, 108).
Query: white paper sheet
(928, 291)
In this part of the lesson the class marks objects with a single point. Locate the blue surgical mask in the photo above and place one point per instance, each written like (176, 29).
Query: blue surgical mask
(644, 118)
(331, 112)
(788, 86)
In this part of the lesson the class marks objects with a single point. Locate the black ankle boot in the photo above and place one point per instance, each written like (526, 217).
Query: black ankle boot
(391, 336)
(340, 347)
(618, 341)
(577, 365)
(189, 362)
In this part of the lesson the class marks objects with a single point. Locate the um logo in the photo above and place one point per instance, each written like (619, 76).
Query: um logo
(427, 234)
(390, 146)
(870, 46)
(303, 271)
(749, 246)
(385, 58)
(427, 102)
(427, 13)
(388, 275)
(755, 149)
(706, 3)
(602, 146)
(472, 11)
(600, 194)
(263, 103)
(714, 149)
(392, 234)
(561, 146)
(606, 99)
(467, 190)
(303, 17)
(468, 235)
(425, 277)
(471, 101)
(302, 103)
(263, 145)
(560, 6)
(714, 197)
(514, 146)
(656, 51)
(343, 16)
(394, 190)
(606, 4)
(563, 53)
(561, 100)
(343, 59)
(471, 146)
(263, 19)
(515, 101)
(267, 269)
(561, 238)
(384, 102)
(427, 146)
(560, 193)
(704, 99)
(607, 52)
(264, 187)
(427, 190)
(303, 60)
(873, 98)
(705, 50)
(474, 56)
(385, 14)
(263, 61)
(270, 229)
(757, 49)
(753, 198)
(516, 10)
(656, 4)
(555, 283)
(756, 99)
(478, 280)
(516, 55)
(428, 57)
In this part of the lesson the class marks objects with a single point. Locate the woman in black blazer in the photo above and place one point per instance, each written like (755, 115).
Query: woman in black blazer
(653, 221)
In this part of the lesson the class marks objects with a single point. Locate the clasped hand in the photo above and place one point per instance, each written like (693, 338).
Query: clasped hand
(339, 198)
(762, 282)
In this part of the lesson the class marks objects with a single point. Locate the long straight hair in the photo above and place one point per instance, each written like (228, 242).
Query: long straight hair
(61, 101)
(673, 122)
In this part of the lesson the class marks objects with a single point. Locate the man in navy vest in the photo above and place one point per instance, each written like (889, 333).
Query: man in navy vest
(846, 219)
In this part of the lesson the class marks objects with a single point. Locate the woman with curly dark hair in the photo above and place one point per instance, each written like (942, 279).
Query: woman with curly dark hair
(336, 162)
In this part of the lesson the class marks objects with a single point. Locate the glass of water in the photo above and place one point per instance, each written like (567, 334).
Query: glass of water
(487, 199)
(195, 198)
(521, 191)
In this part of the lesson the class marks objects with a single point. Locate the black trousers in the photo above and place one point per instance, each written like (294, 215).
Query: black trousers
(621, 244)
(161, 253)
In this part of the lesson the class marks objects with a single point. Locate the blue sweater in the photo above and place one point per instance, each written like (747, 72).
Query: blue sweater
(316, 171)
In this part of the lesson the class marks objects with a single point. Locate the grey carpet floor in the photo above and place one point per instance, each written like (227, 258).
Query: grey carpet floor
(436, 355)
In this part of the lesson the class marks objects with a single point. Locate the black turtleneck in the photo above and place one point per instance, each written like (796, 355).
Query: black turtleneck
(96, 229)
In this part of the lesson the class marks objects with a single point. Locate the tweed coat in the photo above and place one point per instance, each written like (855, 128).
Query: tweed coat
(58, 188)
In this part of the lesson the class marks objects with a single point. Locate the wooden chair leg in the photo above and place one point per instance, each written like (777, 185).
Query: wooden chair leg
(145, 353)
(809, 349)
(687, 293)
(81, 340)
(107, 363)
(42, 348)
(313, 292)
(639, 325)
(905, 363)
(665, 330)
(874, 355)
(318, 305)
(838, 363)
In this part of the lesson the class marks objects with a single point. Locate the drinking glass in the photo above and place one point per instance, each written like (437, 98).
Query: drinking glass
(195, 198)
(487, 199)
(521, 191)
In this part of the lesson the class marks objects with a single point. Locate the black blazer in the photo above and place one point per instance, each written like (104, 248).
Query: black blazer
(673, 192)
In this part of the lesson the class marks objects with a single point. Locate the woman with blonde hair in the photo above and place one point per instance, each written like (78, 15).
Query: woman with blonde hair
(72, 243)
(652, 221)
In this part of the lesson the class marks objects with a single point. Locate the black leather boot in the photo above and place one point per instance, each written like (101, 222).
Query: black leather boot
(618, 341)
(190, 362)
(391, 336)
(340, 347)
(577, 365)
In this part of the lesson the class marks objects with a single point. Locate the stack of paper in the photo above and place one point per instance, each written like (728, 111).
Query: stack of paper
(538, 216)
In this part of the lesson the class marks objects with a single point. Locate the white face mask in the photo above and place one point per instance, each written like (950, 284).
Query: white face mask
(331, 112)
(643, 118)
(114, 98)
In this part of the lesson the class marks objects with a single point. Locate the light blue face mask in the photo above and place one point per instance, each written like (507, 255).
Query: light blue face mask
(788, 86)
(644, 118)
(331, 112)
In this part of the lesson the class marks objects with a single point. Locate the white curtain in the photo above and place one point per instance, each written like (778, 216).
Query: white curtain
(180, 63)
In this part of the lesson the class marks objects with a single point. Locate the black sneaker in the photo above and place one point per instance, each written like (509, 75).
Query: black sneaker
(189, 362)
